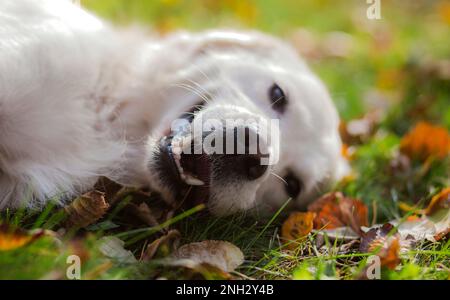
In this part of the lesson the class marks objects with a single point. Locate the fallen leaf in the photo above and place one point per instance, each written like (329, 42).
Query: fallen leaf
(109, 187)
(426, 140)
(113, 247)
(414, 229)
(220, 254)
(297, 225)
(193, 269)
(376, 237)
(12, 238)
(406, 207)
(384, 241)
(86, 209)
(341, 233)
(434, 222)
(439, 201)
(333, 210)
(165, 244)
(431, 228)
(390, 256)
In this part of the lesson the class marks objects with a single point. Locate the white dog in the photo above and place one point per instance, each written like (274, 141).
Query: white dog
(79, 100)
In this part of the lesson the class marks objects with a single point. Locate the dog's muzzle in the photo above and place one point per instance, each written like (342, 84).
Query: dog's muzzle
(195, 162)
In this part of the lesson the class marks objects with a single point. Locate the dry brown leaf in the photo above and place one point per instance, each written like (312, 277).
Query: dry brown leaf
(194, 270)
(424, 228)
(12, 238)
(384, 241)
(109, 187)
(220, 254)
(434, 222)
(297, 225)
(390, 256)
(333, 210)
(376, 238)
(86, 209)
(426, 140)
(165, 245)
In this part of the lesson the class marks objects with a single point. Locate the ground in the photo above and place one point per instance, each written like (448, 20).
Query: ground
(390, 74)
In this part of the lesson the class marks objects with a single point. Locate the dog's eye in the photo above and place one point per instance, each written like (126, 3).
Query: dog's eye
(293, 185)
(189, 115)
(277, 98)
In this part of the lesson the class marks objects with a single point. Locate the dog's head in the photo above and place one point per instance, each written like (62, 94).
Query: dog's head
(249, 124)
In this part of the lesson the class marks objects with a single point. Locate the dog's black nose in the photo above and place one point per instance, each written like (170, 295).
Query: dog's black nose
(240, 166)
(247, 161)
(253, 166)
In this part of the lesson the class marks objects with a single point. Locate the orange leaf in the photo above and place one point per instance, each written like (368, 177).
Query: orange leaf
(13, 238)
(334, 210)
(443, 9)
(384, 241)
(389, 257)
(439, 201)
(298, 225)
(426, 140)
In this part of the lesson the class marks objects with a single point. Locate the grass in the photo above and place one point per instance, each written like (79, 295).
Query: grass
(387, 58)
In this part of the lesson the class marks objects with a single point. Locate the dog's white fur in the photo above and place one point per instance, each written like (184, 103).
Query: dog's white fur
(79, 100)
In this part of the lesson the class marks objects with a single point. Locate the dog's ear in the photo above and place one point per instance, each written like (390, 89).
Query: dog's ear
(228, 40)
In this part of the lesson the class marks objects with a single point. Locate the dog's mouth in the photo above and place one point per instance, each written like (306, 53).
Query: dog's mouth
(190, 173)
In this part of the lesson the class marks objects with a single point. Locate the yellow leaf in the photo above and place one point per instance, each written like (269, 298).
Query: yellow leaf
(13, 238)
(439, 201)
(406, 207)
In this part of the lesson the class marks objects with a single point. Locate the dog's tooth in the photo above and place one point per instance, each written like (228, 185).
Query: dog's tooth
(191, 180)
(177, 160)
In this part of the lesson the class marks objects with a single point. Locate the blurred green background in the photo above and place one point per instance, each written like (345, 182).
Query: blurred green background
(364, 62)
